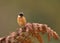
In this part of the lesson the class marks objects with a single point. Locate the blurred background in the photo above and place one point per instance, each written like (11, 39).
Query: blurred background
(41, 11)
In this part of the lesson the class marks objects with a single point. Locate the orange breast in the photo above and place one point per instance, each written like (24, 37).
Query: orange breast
(21, 21)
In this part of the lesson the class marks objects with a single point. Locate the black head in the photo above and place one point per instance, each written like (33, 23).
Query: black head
(21, 15)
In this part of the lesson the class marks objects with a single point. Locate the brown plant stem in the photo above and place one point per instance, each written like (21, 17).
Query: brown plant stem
(30, 29)
(55, 35)
(37, 35)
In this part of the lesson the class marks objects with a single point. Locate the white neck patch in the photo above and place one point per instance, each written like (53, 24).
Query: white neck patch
(18, 16)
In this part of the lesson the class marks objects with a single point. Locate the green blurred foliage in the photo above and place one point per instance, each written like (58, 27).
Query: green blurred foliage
(41, 11)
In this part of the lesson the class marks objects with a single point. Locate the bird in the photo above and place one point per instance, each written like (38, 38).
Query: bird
(21, 19)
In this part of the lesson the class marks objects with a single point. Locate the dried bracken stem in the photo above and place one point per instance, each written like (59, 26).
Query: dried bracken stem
(55, 35)
(2, 39)
(31, 29)
(34, 30)
(39, 38)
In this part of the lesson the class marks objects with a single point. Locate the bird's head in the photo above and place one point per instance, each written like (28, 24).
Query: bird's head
(20, 14)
